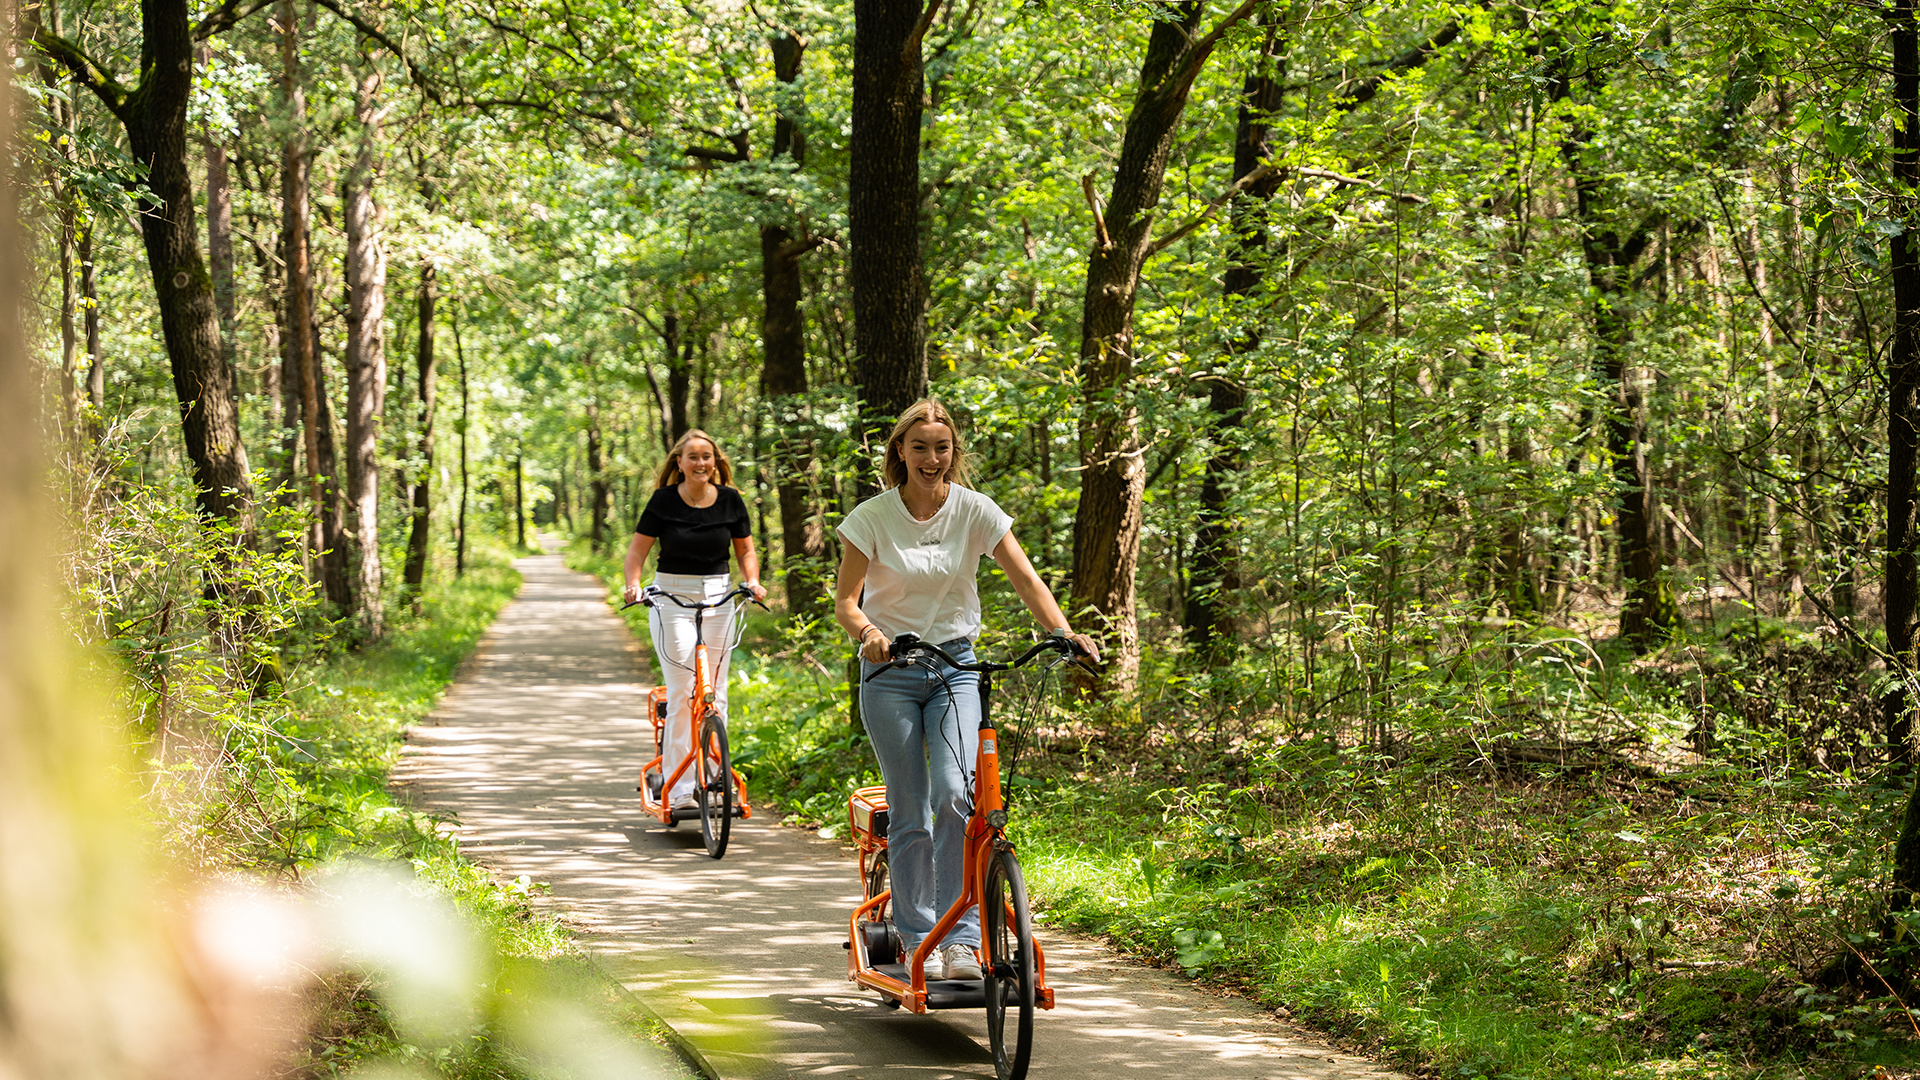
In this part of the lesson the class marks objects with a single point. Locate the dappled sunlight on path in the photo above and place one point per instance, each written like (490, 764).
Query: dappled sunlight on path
(534, 754)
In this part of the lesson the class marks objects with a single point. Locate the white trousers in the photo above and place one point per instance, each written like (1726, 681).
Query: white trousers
(673, 639)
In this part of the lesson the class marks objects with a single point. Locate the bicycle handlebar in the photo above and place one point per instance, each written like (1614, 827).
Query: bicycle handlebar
(653, 592)
(903, 647)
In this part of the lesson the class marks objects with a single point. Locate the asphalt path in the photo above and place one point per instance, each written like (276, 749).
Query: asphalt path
(533, 754)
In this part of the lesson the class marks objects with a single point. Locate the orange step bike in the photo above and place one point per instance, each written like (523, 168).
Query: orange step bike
(1013, 965)
(720, 793)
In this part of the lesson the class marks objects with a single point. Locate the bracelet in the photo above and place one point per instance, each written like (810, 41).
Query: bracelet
(862, 638)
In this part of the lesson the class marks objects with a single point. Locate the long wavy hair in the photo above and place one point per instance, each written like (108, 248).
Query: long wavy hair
(670, 473)
(925, 411)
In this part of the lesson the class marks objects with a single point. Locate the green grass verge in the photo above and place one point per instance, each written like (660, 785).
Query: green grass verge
(1544, 923)
(345, 730)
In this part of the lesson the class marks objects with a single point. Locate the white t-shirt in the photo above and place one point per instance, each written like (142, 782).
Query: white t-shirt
(921, 574)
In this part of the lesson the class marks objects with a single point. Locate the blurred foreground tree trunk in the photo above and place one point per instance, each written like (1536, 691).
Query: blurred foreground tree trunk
(99, 977)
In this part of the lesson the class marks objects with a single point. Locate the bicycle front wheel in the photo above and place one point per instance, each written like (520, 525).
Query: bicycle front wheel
(1007, 929)
(716, 784)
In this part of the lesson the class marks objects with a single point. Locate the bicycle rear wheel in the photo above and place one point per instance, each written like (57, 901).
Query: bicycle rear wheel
(716, 784)
(1007, 930)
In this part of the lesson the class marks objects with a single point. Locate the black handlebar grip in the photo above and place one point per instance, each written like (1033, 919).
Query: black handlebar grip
(902, 643)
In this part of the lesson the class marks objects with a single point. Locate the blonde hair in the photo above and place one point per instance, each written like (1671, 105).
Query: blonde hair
(670, 473)
(893, 474)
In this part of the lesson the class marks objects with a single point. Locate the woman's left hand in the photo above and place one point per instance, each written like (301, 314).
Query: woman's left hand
(759, 592)
(1086, 644)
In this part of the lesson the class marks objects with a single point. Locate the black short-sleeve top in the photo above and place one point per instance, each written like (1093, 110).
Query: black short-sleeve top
(694, 540)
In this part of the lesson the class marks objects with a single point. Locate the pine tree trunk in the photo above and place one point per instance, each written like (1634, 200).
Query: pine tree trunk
(885, 271)
(366, 359)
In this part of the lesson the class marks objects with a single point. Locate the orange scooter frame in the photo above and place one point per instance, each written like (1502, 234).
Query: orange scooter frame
(719, 801)
(1014, 963)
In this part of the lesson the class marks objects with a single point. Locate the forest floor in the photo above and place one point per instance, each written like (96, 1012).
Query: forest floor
(533, 753)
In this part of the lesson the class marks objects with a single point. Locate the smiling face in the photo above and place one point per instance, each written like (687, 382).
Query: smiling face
(697, 461)
(927, 450)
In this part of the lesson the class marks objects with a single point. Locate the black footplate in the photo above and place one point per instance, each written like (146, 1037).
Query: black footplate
(692, 813)
(945, 993)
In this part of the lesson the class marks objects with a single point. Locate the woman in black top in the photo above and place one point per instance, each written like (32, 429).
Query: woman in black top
(695, 517)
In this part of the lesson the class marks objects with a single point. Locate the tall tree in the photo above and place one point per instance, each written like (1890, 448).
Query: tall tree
(783, 376)
(366, 353)
(1106, 532)
(1216, 572)
(419, 534)
(887, 275)
(154, 114)
(1903, 417)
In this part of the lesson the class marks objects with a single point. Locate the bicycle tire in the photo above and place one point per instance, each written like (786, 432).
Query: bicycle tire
(1007, 939)
(715, 784)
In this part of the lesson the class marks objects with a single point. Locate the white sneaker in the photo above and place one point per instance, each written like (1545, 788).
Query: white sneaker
(960, 963)
(685, 802)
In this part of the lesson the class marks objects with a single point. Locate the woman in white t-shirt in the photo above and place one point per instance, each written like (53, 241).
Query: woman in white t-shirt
(912, 554)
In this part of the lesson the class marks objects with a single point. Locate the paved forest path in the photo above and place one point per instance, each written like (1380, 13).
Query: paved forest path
(534, 751)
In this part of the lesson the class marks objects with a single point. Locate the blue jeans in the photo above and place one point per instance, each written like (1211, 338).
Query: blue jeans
(926, 738)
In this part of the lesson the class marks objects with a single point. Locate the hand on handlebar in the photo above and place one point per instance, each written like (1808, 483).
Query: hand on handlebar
(875, 648)
(634, 593)
(1084, 647)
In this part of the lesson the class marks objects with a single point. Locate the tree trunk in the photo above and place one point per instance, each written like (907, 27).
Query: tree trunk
(1611, 252)
(336, 572)
(366, 356)
(220, 231)
(596, 471)
(417, 539)
(1106, 534)
(1215, 576)
(783, 378)
(885, 271)
(460, 527)
(519, 498)
(297, 332)
(62, 117)
(597, 481)
(90, 296)
(1903, 419)
(155, 117)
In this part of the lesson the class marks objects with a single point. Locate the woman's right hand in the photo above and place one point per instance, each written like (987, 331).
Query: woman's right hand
(631, 592)
(873, 647)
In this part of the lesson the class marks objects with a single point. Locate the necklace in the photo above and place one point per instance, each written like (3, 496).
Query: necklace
(944, 490)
